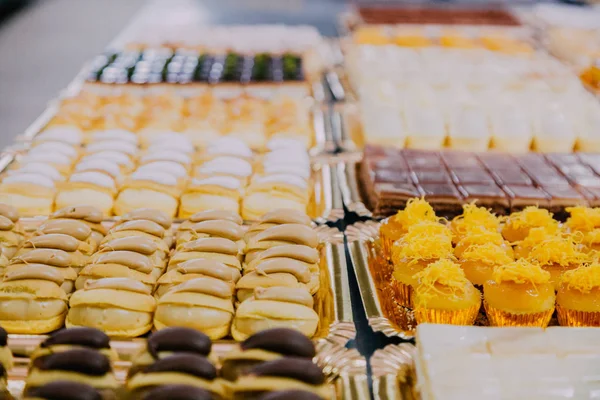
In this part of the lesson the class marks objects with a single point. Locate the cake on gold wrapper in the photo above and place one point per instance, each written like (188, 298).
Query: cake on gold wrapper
(519, 294)
(478, 262)
(578, 297)
(518, 224)
(473, 218)
(413, 253)
(444, 295)
(479, 237)
(416, 211)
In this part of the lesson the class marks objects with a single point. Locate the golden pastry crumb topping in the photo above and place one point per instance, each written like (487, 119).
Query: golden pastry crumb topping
(489, 253)
(521, 271)
(444, 273)
(416, 210)
(584, 278)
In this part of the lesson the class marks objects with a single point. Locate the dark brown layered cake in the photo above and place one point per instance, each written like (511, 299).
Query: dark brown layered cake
(421, 15)
(502, 182)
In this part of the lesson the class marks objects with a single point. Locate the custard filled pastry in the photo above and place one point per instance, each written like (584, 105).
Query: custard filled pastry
(267, 345)
(168, 341)
(79, 252)
(275, 191)
(293, 376)
(31, 194)
(212, 193)
(237, 168)
(139, 228)
(10, 237)
(276, 217)
(43, 258)
(89, 215)
(192, 269)
(112, 145)
(120, 307)
(55, 147)
(71, 227)
(219, 249)
(90, 187)
(32, 300)
(275, 307)
(280, 235)
(177, 369)
(70, 135)
(212, 228)
(137, 244)
(75, 338)
(204, 303)
(284, 272)
(93, 272)
(154, 189)
(131, 259)
(153, 215)
(61, 162)
(121, 160)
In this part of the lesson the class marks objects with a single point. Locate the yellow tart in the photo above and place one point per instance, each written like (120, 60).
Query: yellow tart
(444, 295)
(478, 237)
(416, 211)
(413, 254)
(519, 294)
(518, 224)
(478, 262)
(578, 297)
(475, 219)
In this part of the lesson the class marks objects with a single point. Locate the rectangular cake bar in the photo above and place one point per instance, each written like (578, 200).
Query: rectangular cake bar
(502, 182)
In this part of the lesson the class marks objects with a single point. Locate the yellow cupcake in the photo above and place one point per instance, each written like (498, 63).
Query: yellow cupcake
(444, 295)
(411, 255)
(578, 297)
(519, 294)
(518, 224)
(478, 262)
(480, 237)
(590, 240)
(416, 211)
(473, 219)
(583, 219)
(533, 238)
(557, 254)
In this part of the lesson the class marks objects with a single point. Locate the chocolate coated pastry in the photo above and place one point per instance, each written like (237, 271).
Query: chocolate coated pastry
(179, 340)
(185, 363)
(64, 390)
(290, 395)
(3, 337)
(81, 336)
(84, 361)
(178, 392)
(288, 342)
(296, 368)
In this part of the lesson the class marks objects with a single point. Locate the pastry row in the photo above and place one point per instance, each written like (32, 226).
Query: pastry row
(471, 100)
(111, 172)
(181, 66)
(201, 117)
(219, 278)
(527, 265)
(175, 363)
(500, 181)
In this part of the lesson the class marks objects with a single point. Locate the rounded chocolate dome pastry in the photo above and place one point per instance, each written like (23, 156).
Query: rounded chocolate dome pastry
(64, 390)
(178, 392)
(84, 361)
(297, 368)
(179, 340)
(3, 337)
(290, 395)
(288, 342)
(190, 364)
(81, 336)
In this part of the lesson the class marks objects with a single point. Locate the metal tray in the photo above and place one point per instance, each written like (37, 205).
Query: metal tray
(393, 372)
(345, 369)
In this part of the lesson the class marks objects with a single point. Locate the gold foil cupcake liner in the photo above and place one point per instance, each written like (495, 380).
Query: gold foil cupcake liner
(345, 369)
(403, 293)
(465, 316)
(576, 318)
(503, 318)
(393, 372)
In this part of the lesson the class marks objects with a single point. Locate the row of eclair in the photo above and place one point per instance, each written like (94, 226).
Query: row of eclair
(175, 363)
(112, 171)
(220, 278)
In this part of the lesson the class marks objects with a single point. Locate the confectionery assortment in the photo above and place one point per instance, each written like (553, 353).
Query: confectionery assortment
(87, 156)
(500, 181)
(520, 268)
(181, 363)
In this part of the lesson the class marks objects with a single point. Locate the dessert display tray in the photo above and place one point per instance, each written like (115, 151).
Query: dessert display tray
(331, 302)
(344, 368)
(393, 372)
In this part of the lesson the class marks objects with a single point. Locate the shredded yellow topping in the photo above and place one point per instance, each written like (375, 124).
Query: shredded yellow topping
(539, 235)
(555, 249)
(416, 210)
(583, 218)
(590, 238)
(521, 271)
(481, 237)
(475, 217)
(489, 253)
(583, 278)
(531, 217)
(426, 228)
(423, 247)
(442, 273)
